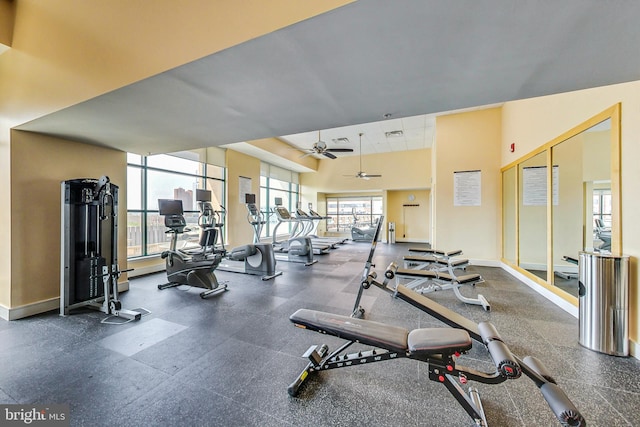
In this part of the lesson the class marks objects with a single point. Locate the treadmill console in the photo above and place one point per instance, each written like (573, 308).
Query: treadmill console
(283, 213)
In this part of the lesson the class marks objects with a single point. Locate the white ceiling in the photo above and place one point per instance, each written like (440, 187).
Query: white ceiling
(417, 132)
(357, 63)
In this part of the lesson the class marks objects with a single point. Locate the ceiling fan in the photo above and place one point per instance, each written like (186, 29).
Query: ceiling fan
(320, 147)
(360, 174)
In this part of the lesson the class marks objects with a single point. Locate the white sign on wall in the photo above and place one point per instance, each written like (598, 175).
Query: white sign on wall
(467, 188)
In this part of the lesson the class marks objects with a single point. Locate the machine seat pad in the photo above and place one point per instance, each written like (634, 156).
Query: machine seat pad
(367, 332)
(418, 274)
(428, 341)
(463, 280)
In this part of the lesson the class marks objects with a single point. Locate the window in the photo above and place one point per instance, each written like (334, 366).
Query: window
(602, 206)
(344, 212)
(162, 176)
(277, 183)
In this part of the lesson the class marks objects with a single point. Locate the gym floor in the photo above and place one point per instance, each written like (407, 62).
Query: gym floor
(227, 360)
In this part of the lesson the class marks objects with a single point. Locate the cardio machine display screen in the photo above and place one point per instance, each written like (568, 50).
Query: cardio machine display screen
(170, 207)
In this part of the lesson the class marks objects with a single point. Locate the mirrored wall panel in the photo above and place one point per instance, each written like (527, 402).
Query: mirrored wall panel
(561, 199)
(532, 213)
(582, 211)
(509, 212)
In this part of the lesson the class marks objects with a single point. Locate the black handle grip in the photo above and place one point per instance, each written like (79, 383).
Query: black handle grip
(561, 406)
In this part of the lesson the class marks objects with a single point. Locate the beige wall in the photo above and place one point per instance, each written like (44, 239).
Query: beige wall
(399, 170)
(412, 222)
(7, 16)
(239, 231)
(64, 52)
(39, 164)
(407, 170)
(469, 141)
(533, 122)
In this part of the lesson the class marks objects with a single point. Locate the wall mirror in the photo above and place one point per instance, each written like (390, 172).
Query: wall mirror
(509, 215)
(581, 211)
(532, 215)
(561, 199)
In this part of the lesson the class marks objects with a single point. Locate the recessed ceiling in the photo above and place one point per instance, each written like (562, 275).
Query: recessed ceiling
(357, 63)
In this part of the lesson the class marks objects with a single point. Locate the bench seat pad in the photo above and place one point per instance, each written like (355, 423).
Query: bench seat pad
(368, 332)
(438, 341)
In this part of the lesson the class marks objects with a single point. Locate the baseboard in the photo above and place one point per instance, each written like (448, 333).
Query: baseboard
(485, 262)
(533, 266)
(634, 349)
(39, 307)
(150, 269)
(405, 240)
(560, 302)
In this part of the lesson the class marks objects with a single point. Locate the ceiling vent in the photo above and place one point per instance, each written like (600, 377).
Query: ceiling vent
(341, 140)
(394, 134)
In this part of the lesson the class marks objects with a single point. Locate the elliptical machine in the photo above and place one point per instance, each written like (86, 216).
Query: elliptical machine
(257, 259)
(189, 268)
(300, 249)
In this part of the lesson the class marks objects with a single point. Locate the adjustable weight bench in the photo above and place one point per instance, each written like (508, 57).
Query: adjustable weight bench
(434, 263)
(531, 367)
(438, 347)
(437, 252)
(426, 281)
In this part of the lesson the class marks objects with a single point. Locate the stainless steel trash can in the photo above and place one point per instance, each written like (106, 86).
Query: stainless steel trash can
(603, 281)
(392, 233)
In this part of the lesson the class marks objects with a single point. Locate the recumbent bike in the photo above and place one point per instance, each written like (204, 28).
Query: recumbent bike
(194, 268)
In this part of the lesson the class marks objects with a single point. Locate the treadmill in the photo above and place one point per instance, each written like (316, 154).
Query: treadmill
(284, 216)
(309, 224)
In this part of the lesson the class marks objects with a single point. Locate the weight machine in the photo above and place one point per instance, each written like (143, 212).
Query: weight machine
(89, 268)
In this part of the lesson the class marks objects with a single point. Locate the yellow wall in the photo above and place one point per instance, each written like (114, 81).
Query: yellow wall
(7, 16)
(399, 170)
(276, 147)
(469, 141)
(412, 222)
(65, 52)
(533, 122)
(39, 164)
(239, 231)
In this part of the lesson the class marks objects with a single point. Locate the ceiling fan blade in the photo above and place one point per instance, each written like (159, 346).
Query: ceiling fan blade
(340, 150)
(329, 155)
(373, 176)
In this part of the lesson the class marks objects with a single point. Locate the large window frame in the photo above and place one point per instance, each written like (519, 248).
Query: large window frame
(270, 189)
(145, 227)
(345, 212)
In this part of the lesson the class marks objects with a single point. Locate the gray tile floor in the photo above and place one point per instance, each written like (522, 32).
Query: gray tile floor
(227, 361)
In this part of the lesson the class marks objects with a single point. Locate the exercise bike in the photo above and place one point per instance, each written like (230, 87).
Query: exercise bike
(193, 268)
